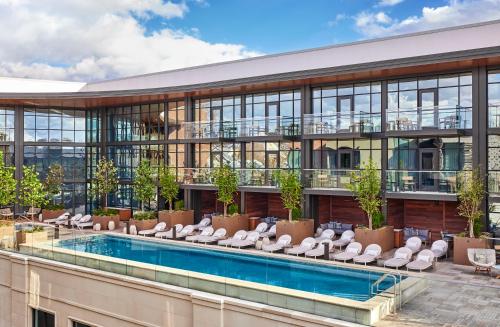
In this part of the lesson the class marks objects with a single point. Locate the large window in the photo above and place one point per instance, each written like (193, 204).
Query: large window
(6, 124)
(273, 155)
(94, 125)
(366, 98)
(175, 119)
(346, 154)
(217, 109)
(210, 155)
(494, 164)
(42, 318)
(494, 99)
(143, 122)
(54, 125)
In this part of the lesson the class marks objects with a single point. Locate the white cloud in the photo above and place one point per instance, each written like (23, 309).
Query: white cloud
(388, 3)
(456, 12)
(338, 18)
(92, 40)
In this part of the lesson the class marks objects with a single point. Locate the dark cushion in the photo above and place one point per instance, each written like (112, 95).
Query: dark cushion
(346, 227)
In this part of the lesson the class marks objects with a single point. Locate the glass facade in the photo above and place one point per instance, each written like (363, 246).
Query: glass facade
(346, 154)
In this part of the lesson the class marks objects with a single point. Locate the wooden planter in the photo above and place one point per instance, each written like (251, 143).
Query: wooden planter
(31, 238)
(143, 224)
(383, 236)
(104, 220)
(298, 229)
(171, 218)
(232, 224)
(7, 233)
(124, 213)
(51, 214)
(461, 244)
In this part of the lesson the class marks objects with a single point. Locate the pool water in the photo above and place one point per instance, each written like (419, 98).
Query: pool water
(311, 277)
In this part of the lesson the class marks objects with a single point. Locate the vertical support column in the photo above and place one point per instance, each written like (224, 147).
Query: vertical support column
(306, 150)
(18, 145)
(188, 151)
(384, 154)
(480, 127)
(243, 153)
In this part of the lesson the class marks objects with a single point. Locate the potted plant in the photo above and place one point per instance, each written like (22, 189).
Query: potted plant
(53, 185)
(104, 182)
(144, 191)
(470, 194)
(8, 189)
(32, 193)
(366, 189)
(34, 235)
(226, 181)
(169, 189)
(291, 196)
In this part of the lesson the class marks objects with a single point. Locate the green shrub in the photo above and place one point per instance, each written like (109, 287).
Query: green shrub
(296, 213)
(233, 209)
(179, 205)
(108, 212)
(51, 206)
(144, 215)
(35, 229)
(378, 220)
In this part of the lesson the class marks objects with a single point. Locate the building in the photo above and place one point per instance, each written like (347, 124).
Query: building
(423, 106)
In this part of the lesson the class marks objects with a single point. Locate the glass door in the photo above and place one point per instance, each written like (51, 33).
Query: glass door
(272, 164)
(428, 166)
(345, 111)
(427, 103)
(272, 115)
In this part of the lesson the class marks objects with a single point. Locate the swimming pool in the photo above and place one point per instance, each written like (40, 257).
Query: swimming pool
(297, 275)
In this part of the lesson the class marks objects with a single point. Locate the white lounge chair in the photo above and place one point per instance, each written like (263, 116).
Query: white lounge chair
(217, 235)
(204, 223)
(327, 234)
(371, 253)
(352, 250)
(346, 238)
(270, 233)
(401, 257)
(306, 245)
(250, 240)
(150, 232)
(205, 232)
(238, 236)
(169, 233)
(440, 249)
(319, 251)
(414, 244)
(85, 221)
(75, 219)
(282, 242)
(66, 220)
(187, 230)
(62, 217)
(482, 259)
(261, 228)
(424, 260)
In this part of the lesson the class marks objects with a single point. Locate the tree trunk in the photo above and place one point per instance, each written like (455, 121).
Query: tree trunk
(171, 205)
(370, 222)
(471, 228)
(225, 210)
(290, 215)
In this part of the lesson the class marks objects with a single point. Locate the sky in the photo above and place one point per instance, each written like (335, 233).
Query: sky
(91, 40)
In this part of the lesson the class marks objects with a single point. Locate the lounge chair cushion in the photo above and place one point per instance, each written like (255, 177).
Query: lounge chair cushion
(425, 258)
(400, 255)
(351, 250)
(372, 252)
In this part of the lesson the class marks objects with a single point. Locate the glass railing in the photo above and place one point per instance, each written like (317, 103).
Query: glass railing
(494, 182)
(494, 116)
(199, 176)
(328, 178)
(333, 123)
(246, 176)
(244, 127)
(414, 119)
(421, 181)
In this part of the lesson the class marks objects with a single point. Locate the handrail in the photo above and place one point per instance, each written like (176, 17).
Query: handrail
(396, 286)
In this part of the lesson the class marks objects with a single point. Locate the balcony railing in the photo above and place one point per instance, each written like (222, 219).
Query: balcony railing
(494, 182)
(421, 181)
(244, 127)
(494, 116)
(415, 119)
(246, 177)
(328, 178)
(333, 123)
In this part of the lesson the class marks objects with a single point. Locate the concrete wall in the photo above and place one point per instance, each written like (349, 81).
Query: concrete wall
(104, 299)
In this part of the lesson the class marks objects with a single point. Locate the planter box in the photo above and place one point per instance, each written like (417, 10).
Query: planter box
(104, 220)
(383, 236)
(183, 217)
(51, 214)
(143, 224)
(298, 229)
(124, 213)
(461, 244)
(232, 224)
(7, 233)
(31, 238)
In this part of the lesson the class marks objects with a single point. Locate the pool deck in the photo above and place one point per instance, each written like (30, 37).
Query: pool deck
(455, 296)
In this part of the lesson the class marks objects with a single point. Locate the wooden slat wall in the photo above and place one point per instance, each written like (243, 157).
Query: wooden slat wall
(343, 209)
(324, 208)
(209, 203)
(453, 222)
(256, 204)
(395, 213)
(275, 206)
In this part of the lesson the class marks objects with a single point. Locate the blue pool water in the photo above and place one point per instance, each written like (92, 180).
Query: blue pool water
(311, 277)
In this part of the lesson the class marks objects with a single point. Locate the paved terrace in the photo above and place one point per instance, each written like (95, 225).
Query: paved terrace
(456, 296)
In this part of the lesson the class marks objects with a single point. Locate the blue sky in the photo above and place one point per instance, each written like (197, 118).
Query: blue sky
(105, 39)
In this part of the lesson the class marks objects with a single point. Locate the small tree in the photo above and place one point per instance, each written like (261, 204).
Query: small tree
(144, 185)
(53, 182)
(470, 194)
(8, 184)
(366, 188)
(31, 190)
(226, 181)
(169, 188)
(291, 191)
(105, 180)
